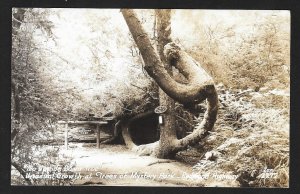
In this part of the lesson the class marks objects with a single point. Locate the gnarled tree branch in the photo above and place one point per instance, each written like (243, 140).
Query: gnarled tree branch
(200, 85)
(195, 91)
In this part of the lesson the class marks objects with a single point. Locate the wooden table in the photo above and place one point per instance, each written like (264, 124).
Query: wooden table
(97, 123)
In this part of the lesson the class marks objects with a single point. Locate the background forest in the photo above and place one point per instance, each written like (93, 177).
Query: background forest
(68, 63)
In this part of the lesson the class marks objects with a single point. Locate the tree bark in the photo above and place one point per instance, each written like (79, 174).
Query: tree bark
(167, 129)
(200, 85)
(194, 92)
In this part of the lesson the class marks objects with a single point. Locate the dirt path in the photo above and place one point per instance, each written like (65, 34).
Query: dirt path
(116, 165)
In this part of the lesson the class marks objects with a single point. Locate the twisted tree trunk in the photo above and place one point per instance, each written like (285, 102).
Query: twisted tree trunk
(200, 85)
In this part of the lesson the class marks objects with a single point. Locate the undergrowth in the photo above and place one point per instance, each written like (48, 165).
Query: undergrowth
(250, 139)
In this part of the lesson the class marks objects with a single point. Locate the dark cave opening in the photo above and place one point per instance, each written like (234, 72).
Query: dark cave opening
(145, 130)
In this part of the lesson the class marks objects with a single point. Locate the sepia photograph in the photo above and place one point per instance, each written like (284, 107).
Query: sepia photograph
(150, 97)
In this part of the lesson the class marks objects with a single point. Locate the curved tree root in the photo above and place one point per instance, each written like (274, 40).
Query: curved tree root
(117, 133)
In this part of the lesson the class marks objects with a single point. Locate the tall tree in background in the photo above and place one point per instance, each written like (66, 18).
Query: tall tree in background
(199, 87)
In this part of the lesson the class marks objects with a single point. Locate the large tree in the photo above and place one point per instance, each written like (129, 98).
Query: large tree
(198, 85)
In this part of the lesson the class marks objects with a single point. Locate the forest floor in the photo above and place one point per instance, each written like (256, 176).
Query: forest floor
(116, 165)
(249, 147)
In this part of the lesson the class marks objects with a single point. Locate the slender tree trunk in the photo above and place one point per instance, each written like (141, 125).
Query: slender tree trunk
(17, 20)
(167, 129)
(16, 107)
(16, 100)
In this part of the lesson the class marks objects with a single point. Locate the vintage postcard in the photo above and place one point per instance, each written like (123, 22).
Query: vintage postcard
(150, 97)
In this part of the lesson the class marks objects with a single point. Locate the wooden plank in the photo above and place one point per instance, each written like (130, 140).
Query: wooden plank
(83, 122)
(98, 137)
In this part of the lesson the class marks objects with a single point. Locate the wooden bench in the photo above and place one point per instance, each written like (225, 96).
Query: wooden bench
(97, 123)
